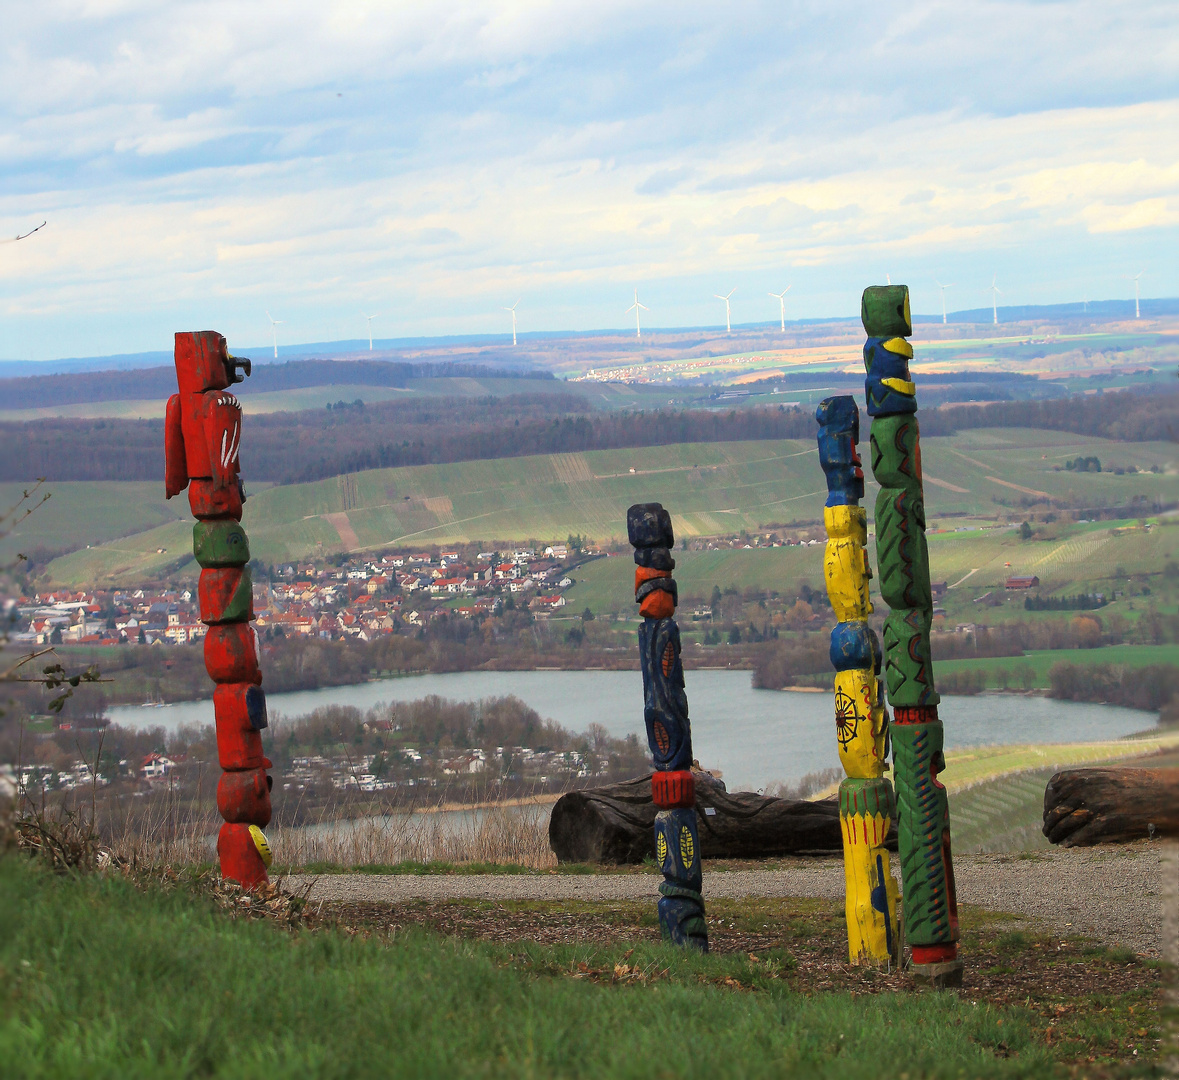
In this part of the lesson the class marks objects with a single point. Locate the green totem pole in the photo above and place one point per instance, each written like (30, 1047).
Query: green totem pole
(923, 818)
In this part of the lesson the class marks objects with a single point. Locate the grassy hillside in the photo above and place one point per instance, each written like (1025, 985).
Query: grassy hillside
(597, 395)
(1040, 662)
(103, 978)
(711, 489)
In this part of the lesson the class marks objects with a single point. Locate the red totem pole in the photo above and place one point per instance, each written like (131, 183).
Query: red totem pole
(201, 437)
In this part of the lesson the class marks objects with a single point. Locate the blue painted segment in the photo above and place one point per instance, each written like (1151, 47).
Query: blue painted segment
(854, 646)
(881, 364)
(839, 433)
(665, 704)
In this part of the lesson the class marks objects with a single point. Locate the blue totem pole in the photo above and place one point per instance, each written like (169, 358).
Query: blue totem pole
(669, 732)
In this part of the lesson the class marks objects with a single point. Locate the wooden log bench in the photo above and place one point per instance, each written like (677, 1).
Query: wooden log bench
(615, 824)
(1111, 805)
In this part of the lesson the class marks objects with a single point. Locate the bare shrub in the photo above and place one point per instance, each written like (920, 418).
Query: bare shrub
(501, 833)
(811, 783)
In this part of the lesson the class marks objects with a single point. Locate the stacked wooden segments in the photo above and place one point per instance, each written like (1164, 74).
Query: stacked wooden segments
(930, 908)
(861, 722)
(669, 732)
(202, 436)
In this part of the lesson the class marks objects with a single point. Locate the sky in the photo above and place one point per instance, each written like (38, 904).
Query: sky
(202, 163)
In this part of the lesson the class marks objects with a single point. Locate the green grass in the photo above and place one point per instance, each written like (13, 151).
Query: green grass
(1041, 661)
(101, 979)
(608, 584)
(1004, 814)
(94, 512)
(711, 489)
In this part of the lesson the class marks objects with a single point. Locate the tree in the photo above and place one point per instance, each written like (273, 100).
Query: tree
(1025, 531)
(587, 615)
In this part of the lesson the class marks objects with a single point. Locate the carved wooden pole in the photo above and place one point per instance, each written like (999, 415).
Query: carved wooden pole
(665, 710)
(201, 438)
(923, 818)
(866, 806)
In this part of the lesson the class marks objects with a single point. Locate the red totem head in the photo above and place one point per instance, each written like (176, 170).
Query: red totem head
(203, 423)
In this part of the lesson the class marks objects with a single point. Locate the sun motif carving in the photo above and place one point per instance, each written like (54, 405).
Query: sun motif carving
(847, 718)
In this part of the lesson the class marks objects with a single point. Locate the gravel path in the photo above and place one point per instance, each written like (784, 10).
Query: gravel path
(1111, 893)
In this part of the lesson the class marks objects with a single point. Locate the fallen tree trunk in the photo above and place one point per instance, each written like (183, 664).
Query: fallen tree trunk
(1111, 805)
(615, 824)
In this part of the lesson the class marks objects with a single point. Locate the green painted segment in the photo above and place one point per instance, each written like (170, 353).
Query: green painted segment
(866, 796)
(241, 606)
(893, 450)
(908, 665)
(220, 543)
(884, 311)
(923, 826)
(901, 550)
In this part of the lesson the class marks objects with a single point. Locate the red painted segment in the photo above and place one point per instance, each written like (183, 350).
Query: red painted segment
(175, 461)
(231, 653)
(244, 797)
(239, 856)
(205, 501)
(935, 954)
(914, 714)
(217, 588)
(673, 789)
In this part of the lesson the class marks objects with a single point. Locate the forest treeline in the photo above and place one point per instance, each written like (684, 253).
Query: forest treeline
(794, 661)
(1150, 687)
(319, 443)
(312, 445)
(146, 384)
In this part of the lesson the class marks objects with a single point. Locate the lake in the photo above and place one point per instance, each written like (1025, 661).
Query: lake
(754, 737)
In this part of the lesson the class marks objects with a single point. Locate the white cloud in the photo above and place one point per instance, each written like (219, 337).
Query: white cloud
(211, 157)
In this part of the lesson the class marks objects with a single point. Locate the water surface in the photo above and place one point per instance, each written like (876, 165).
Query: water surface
(752, 736)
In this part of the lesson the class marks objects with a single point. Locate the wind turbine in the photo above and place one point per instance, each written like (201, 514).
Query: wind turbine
(943, 289)
(1137, 313)
(512, 309)
(781, 298)
(728, 324)
(995, 292)
(636, 307)
(370, 329)
(274, 324)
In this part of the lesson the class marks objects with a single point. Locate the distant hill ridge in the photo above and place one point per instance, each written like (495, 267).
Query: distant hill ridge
(32, 392)
(1092, 309)
(320, 443)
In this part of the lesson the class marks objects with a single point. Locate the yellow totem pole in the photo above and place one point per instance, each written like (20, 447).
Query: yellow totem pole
(866, 804)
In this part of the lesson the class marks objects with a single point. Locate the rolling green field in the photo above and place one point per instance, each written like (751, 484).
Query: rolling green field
(1041, 661)
(711, 489)
(984, 556)
(597, 395)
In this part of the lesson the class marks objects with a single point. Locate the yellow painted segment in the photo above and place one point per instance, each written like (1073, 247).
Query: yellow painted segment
(900, 346)
(901, 386)
(262, 844)
(865, 868)
(845, 562)
(859, 724)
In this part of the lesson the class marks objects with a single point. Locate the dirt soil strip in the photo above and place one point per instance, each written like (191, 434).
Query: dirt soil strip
(1110, 893)
(343, 527)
